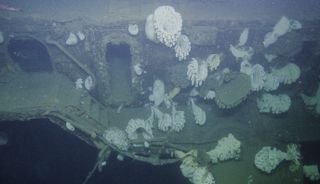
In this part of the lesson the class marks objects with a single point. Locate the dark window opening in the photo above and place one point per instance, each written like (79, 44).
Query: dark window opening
(118, 57)
(118, 51)
(29, 54)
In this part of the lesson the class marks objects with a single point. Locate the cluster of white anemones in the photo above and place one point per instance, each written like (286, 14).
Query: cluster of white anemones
(182, 47)
(274, 104)
(260, 79)
(165, 26)
(197, 72)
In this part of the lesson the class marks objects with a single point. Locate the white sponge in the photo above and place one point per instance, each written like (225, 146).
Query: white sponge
(202, 176)
(135, 126)
(117, 137)
(311, 172)
(228, 148)
(268, 158)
